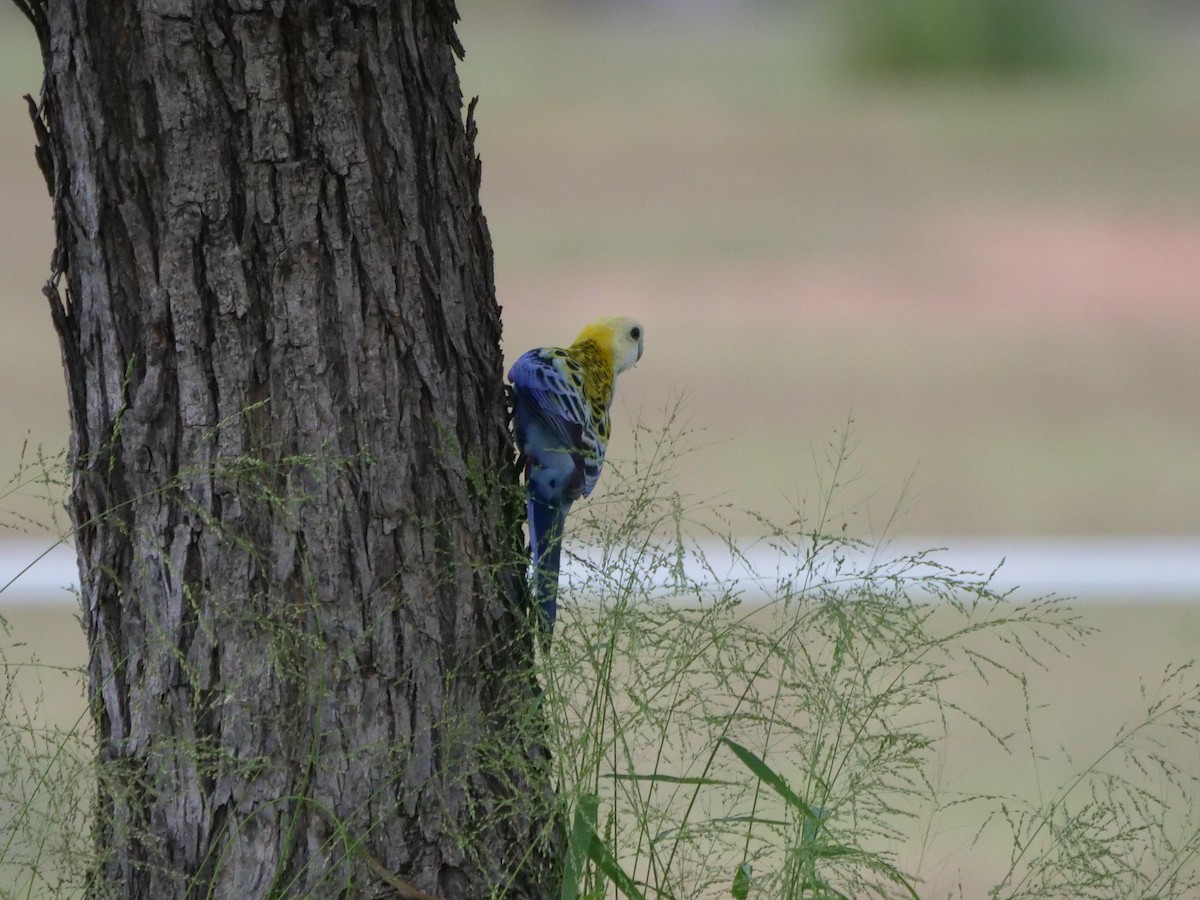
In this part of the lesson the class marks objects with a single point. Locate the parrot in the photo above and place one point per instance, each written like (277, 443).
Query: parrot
(561, 398)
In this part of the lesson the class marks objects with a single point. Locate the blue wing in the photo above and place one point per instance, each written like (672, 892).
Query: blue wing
(558, 443)
(555, 431)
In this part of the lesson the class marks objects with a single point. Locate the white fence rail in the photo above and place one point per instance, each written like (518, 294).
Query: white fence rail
(1091, 569)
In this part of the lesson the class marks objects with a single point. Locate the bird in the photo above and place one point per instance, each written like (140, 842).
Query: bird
(561, 398)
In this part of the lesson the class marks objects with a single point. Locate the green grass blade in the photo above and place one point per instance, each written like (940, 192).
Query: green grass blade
(599, 854)
(583, 833)
(583, 843)
(673, 779)
(769, 777)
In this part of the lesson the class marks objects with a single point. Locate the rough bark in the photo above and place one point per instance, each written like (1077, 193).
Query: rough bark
(300, 576)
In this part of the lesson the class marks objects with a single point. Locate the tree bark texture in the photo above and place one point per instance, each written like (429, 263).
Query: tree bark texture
(301, 573)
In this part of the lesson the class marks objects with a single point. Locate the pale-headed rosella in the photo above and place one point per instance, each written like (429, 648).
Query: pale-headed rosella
(561, 399)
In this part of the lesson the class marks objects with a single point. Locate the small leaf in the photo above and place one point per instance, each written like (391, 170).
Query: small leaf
(741, 882)
(812, 824)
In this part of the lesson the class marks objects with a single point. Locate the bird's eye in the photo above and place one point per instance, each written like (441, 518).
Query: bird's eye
(635, 333)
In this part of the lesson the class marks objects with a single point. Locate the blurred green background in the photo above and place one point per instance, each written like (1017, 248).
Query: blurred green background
(992, 268)
(973, 226)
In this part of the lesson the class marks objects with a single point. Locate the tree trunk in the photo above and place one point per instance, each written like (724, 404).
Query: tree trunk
(301, 571)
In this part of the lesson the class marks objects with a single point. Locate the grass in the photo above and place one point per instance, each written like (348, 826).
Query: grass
(808, 746)
(850, 725)
(45, 757)
(1081, 701)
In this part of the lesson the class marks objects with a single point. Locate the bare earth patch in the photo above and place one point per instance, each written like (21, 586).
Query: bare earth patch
(1025, 270)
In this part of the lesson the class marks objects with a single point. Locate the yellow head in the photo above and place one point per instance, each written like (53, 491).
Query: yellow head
(618, 336)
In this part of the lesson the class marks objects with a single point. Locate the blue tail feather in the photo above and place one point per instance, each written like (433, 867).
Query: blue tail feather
(546, 521)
